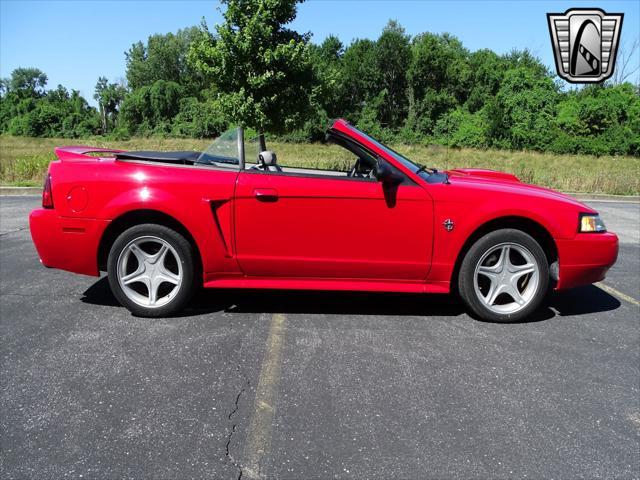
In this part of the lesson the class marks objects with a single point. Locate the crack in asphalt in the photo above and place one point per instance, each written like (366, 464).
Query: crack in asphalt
(35, 295)
(14, 231)
(233, 461)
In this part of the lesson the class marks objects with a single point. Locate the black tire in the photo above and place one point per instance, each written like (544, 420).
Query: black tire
(185, 255)
(466, 276)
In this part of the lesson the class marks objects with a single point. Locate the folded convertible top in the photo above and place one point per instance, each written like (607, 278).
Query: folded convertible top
(184, 158)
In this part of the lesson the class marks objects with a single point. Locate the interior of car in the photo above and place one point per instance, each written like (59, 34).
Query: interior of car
(363, 165)
(223, 153)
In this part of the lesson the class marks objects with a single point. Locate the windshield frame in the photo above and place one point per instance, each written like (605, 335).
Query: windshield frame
(413, 167)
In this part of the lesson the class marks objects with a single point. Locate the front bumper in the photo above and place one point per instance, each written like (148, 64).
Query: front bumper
(586, 258)
(67, 243)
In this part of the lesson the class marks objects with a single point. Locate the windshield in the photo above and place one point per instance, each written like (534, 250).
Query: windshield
(223, 151)
(414, 167)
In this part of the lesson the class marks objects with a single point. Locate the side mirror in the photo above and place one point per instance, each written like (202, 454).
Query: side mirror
(387, 174)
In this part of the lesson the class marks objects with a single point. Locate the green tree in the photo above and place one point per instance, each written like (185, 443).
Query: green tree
(438, 77)
(326, 59)
(393, 56)
(164, 57)
(327, 89)
(361, 77)
(526, 59)
(521, 114)
(109, 97)
(4, 86)
(151, 108)
(262, 69)
(487, 72)
(198, 119)
(28, 82)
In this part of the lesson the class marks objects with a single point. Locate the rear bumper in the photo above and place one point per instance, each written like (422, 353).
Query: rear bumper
(586, 258)
(67, 243)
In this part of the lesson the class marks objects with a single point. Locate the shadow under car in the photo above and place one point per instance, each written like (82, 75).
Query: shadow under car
(579, 301)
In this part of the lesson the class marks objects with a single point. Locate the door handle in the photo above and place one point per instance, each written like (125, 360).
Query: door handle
(266, 194)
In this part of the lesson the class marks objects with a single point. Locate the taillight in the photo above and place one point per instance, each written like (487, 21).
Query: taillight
(47, 196)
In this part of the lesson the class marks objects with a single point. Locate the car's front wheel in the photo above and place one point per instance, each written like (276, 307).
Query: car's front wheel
(504, 277)
(151, 270)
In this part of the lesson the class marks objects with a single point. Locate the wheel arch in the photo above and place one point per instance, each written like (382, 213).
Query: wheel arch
(137, 217)
(524, 224)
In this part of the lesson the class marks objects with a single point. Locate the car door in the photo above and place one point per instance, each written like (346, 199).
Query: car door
(298, 225)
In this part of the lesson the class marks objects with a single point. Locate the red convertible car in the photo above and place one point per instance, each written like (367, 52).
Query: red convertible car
(163, 224)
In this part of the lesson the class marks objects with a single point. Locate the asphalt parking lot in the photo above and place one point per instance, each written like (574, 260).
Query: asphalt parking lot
(314, 385)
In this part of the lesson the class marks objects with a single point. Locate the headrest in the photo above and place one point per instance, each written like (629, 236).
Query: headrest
(267, 158)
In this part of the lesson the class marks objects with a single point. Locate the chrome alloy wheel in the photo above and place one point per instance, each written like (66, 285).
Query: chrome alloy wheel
(506, 278)
(149, 271)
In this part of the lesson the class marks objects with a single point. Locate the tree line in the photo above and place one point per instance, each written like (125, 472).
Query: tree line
(253, 70)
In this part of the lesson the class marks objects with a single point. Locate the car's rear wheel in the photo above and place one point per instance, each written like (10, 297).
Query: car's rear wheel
(151, 270)
(504, 277)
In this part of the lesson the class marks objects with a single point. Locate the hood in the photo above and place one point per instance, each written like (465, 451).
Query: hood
(509, 184)
(483, 173)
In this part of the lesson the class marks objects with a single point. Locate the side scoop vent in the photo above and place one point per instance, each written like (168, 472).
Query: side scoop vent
(216, 206)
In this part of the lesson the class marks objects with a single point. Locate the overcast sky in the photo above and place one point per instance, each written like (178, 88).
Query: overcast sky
(74, 42)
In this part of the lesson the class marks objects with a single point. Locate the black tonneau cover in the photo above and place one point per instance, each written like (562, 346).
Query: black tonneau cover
(180, 158)
(183, 158)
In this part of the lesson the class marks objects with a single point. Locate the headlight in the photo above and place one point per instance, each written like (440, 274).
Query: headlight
(591, 223)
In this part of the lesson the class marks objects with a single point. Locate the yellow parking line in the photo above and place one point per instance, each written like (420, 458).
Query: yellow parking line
(258, 442)
(617, 293)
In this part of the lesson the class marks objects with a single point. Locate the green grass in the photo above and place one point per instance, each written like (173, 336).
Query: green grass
(23, 161)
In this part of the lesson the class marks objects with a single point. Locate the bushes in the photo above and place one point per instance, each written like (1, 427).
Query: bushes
(26, 109)
(598, 121)
(148, 108)
(460, 128)
(425, 89)
(198, 119)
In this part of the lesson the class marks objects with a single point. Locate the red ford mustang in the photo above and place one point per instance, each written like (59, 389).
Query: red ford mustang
(164, 223)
